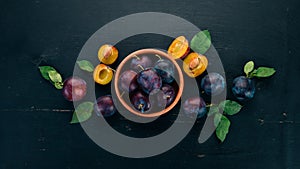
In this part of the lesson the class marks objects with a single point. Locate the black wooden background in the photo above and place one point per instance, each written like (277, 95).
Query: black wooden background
(33, 135)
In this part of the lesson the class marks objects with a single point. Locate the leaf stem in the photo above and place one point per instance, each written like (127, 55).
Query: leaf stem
(209, 105)
(122, 94)
(158, 56)
(138, 58)
(141, 67)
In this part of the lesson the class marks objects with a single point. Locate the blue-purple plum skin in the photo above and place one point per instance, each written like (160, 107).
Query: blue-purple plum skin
(195, 106)
(140, 101)
(243, 88)
(165, 69)
(149, 81)
(105, 106)
(213, 84)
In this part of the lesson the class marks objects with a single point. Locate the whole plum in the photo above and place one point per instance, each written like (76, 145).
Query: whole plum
(140, 101)
(213, 84)
(74, 89)
(141, 62)
(127, 80)
(149, 81)
(165, 69)
(105, 106)
(167, 96)
(195, 106)
(243, 88)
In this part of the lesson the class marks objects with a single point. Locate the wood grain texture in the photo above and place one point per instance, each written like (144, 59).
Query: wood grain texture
(34, 127)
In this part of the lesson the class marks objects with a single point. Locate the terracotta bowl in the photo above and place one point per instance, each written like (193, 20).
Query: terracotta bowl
(141, 52)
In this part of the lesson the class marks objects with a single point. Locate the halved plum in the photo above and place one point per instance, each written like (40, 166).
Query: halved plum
(179, 48)
(195, 64)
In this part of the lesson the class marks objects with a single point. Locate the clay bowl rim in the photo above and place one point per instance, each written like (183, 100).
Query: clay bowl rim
(142, 52)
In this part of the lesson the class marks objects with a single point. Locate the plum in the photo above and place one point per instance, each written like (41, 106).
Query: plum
(108, 54)
(243, 88)
(165, 69)
(138, 62)
(140, 101)
(195, 64)
(149, 81)
(105, 106)
(213, 84)
(74, 89)
(127, 81)
(179, 48)
(103, 74)
(194, 106)
(168, 96)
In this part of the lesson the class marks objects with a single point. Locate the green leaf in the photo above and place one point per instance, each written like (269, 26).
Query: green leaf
(85, 65)
(44, 71)
(50, 74)
(213, 110)
(54, 76)
(83, 112)
(264, 72)
(252, 74)
(249, 66)
(223, 128)
(217, 119)
(230, 107)
(58, 85)
(201, 42)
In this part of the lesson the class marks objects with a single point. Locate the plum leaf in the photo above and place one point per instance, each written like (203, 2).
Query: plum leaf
(223, 128)
(58, 85)
(230, 107)
(217, 119)
(54, 76)
(82, 112)
(201, 42)
(248, 68)
(45, 70)
(263, 72)
(50, 74)
(213, 110)
(85, 65)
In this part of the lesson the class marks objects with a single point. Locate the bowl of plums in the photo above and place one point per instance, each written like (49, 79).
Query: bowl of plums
(148, 82)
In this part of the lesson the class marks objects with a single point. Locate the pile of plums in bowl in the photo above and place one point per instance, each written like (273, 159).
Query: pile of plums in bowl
(148, 83)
